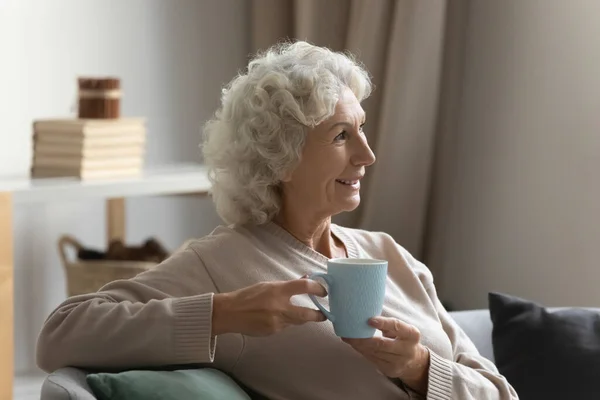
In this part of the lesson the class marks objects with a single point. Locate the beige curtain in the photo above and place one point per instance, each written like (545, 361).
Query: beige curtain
(401, 42)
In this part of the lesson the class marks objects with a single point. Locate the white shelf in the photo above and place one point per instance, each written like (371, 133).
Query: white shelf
(168, 180)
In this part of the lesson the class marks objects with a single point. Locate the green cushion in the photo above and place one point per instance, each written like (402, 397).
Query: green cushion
(193, 384)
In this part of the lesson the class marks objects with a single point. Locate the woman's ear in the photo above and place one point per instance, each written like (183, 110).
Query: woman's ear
(287, 176)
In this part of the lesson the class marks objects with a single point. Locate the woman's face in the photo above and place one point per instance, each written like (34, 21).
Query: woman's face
(327, 180)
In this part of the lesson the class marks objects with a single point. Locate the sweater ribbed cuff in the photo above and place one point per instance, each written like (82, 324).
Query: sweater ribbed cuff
(193, 339)
(440, 378)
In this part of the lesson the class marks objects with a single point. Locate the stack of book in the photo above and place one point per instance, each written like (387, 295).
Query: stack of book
(88, 148)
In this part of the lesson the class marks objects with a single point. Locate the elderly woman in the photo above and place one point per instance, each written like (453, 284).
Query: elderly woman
(286, 152)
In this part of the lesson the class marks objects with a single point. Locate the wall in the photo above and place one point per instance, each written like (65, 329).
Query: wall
(525, 212)
(172, 57)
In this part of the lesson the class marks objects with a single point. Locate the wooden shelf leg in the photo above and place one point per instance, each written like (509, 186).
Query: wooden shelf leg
(115, 219)
(6, 298)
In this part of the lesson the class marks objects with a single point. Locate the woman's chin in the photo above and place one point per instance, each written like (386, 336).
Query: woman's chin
(350, 204)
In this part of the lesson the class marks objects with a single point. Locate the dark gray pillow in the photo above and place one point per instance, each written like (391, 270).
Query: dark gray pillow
(546, 354)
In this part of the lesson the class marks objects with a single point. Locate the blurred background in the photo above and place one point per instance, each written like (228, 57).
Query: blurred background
(485, 121)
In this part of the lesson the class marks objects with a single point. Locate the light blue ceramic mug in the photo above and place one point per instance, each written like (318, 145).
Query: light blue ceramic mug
(356, 291)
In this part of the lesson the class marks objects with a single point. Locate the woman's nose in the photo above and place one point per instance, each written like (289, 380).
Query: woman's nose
(364, 156)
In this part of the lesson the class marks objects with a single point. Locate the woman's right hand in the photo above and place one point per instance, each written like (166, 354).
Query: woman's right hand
(264, 308)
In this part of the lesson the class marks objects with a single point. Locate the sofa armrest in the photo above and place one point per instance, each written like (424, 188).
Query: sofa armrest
(477, 324)
(66, 384)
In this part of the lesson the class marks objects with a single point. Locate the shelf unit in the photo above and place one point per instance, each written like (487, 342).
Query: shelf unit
(16, 192)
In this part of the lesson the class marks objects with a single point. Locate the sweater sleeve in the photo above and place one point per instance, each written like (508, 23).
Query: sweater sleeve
(468, 376)
(161, 317)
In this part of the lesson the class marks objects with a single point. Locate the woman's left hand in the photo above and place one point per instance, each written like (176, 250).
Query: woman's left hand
(398, 354)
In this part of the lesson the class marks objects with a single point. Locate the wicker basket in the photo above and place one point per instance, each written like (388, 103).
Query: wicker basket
(88, 276)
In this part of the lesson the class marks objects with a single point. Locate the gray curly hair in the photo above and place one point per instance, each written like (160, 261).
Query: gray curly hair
(257, 135)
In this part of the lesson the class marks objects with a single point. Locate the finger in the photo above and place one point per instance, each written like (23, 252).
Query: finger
(299, 315)
(372, 344)
(400, 353)
(392, 327)
(376, 344)
(303, 286)
(389, 334)
(392, 359)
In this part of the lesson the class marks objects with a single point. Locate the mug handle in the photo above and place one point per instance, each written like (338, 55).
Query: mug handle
(329, 280)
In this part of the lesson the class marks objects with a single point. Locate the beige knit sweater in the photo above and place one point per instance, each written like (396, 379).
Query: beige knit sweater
(163, 317)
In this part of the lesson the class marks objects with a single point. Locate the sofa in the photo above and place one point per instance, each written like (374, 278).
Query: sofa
(70, 383)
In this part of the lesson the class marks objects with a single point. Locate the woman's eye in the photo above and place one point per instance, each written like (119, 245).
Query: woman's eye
(342, 136)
